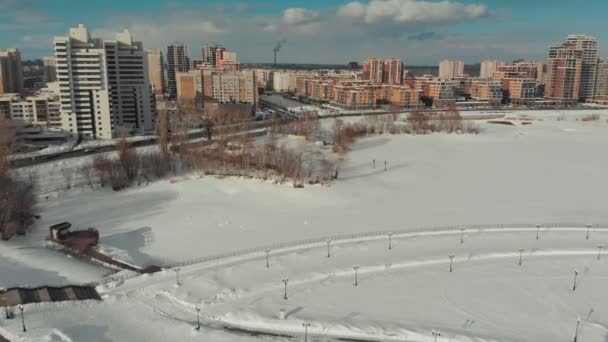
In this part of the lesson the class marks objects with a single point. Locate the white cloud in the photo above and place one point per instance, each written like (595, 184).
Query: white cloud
(411, 11)
(300, 16)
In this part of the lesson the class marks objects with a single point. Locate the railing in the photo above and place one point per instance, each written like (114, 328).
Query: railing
(277, 247)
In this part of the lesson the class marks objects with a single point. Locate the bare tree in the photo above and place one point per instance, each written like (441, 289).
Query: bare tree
(129, 160)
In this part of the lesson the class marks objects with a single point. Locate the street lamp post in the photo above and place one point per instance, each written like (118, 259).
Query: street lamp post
(574, 283)
(390, 240)
(461, 235)
(521, 252)
(328, 242)
(588, 231)
(599, 251)
(451, 261)
(436, 333)
(356, 268)
(285, 281)
(578, 324)
(306, 325)
(198, 318)
(22, 318)
(267, 251)
(177, 276)
(537, 231)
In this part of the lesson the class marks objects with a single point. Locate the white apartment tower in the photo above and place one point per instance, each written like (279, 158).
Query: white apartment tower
(102, 85)
(488, 68)
(449, 69)
(83, 84)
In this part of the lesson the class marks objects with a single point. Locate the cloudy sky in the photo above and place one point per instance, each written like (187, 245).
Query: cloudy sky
(422, 32)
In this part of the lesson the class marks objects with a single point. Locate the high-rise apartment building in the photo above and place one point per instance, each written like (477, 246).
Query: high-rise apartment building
(564, 72)
(373, 70)
(392, 72)
(132, 104)
(50, 69)
(449, 69)
(11, 71)
(488, 68)
(210, 54)
(601, 84)
(103, 86)
(590, 55)
(83, 84)
(178, 60)
(156, 73)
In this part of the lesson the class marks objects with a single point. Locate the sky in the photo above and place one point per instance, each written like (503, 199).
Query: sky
(421, 32)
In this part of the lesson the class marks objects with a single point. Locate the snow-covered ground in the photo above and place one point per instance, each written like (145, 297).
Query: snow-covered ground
(402, 294)
(550, 171)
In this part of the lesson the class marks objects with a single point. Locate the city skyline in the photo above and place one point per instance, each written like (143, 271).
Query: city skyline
(419, 32)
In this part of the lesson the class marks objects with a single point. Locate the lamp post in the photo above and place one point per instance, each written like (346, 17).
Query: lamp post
(390, 240)
(451, 261)
(306, 325)
(328, 242)
(177, 269)
(574, 283)
(578, 324)
(588, 231)
(599, 251)
(521, 252)
(436, 333)
(22, 318)
(198, 318)
(285, 281)
(356, 268)
(537, 230)
(267, 251)
(461, 235)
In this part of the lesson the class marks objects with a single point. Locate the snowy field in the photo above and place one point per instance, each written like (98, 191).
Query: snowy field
(553, 170)
(550, 171)
(402, 295)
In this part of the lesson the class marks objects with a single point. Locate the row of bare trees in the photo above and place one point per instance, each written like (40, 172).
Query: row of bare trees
(17, 199)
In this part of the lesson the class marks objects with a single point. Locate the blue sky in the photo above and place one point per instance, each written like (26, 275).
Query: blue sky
(422, 32)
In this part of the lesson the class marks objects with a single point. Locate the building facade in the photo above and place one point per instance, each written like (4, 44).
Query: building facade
(590, 55)
(488, 68)
(189, 86)
(11, 72)
(564, 71)
(132, 104)
(392, 72)
(103, 86)
(210, 54)
(156, 72)
(230, 86)
(50, 69)
(486, 90)
(177, 61)
(449, 69)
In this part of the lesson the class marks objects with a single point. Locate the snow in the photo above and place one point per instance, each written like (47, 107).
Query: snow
(506, 174)
(402, 293)
(550, 171)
